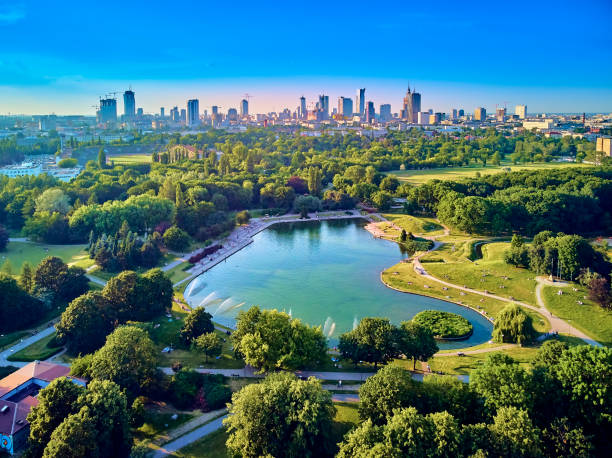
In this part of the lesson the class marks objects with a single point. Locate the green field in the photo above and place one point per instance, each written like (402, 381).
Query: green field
(38, 351)
(416, 177)
(416, 225)
(128, 159)
(589, 317)
(19, 252)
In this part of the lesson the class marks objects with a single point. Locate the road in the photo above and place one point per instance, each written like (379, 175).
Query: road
(184, 441)
(21, 345)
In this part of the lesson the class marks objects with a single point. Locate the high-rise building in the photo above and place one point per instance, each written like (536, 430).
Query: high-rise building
(193, 112)
(244, 108)
(129, 104)
(108, 110)
(323, 105)
(480, 114)
(345, 107)
(232, 114)
(360, 102)
(453, 113)
(174, 114)
(139, 113)
(162, 112)
(303, 112)
(183, 117)
(500, 114)
(521, 111)
(604, 145)
(461, 113)
(411, 106)
(370, 113)
(385, 112)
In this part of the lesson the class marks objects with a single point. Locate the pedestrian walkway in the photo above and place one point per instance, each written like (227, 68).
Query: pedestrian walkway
(189, 438)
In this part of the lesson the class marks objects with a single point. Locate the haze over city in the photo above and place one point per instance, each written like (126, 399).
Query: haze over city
(550, 55)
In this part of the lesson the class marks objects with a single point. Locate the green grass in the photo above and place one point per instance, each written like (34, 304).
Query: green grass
(106, 276)
(19, 252)
(8, 340)
(157, 424)
(213, 445)
(416, 225)
(130, 159)
(589, 317)
(38, 351)
(179, 272)
(488, 273)
(416, 177)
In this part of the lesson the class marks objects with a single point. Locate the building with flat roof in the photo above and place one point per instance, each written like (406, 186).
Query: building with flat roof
(480, 114)
(604, 145)
(521, 111)
(18, 392)
(129, 105)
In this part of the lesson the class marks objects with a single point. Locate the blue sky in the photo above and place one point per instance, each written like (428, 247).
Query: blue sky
(60, 56)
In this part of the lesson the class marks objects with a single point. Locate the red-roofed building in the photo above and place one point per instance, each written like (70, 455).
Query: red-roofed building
(18, 393)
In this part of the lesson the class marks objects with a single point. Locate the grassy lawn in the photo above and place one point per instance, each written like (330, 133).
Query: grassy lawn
(106, 276)
(37, 351)
(8, 340)
(131, 159)
(179, 272)
(19, 252)
(417, 177)
(158, 423)
(416, 225)
(451, 263)
(589, 317)
(213, 445)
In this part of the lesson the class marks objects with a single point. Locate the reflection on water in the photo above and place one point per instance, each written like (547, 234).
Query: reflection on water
(325, 273)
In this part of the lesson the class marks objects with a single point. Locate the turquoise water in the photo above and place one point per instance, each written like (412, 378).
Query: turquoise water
(326, 273)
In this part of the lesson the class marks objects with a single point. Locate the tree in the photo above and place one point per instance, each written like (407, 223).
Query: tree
(198, 322)
(271, 340)
(209, 343)
(407, 433)
(549, 353)
(75, 437)
(66, 282)
(382, 200)
(243, 217)
(101, 158)
(4, 238)
(17, 308)
(298, 184)
(306, 204)
(281, 417)
(176, 239)
(561, 439)
(55, 402)
(389, 183)
(502, 383)
(513, 325)
(26, 277)
(375, 340)
(128, 358)
(53, 201)
(85, 323)
(599, 291)
(314, 180)
(514, 433)
(67, 163)
(416, 341)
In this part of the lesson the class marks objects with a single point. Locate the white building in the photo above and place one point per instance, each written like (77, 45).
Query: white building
(538, 124)
(23, 169)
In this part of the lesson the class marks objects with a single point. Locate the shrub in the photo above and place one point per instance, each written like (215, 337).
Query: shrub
(176, 239)
(444, 324)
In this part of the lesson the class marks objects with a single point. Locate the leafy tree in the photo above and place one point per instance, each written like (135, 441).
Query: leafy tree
(373, 340)
(198, 322)
(75, 437)
(549, 353)
(513, 325)
(416, 341)
(67, 163)
(314, 180)
(55, 402)
(243, 217)
(65, 282)
(382, 200)
(176, 239)
(515, 434)
(561, 439)
(209, 343)
(599, 291)
(128, 358)
(53, 201)
(101, 158)
(85, 323)
(4, 238)
(269, 340)
(282, 417)
(17, 308)
(389, 183)
(26, 277)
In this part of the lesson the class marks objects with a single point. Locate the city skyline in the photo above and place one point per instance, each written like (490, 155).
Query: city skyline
(561, 64)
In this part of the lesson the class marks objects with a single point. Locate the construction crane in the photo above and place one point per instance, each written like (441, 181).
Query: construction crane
(248, 97)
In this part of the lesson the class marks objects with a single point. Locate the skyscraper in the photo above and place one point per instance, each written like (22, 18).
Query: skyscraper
(385, 112)
(232, 114)
(244, 108)
(521, 111)
(303, 107)
(323, 105)
(480, 114)
(453, 113)
(360, 101)
(174, 114)
(162, 112)
(345, 107)
(411, 106)
(129, 104)
(500, 114)
(370, 113)
(193, 112)
(108, 110)
(461, 113)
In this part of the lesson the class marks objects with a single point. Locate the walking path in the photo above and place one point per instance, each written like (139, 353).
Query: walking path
(184, 441)
(21, 345)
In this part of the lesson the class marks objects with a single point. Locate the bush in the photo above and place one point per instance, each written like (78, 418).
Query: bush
(444, 324)
(176, 239)
(243, 217)
(67, 163)
(218, 396)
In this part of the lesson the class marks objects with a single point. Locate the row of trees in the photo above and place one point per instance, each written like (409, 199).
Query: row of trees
(124, 251)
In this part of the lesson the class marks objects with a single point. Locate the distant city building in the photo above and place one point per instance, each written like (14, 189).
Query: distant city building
(244, 108)
(423, 117)
(521, 111)
(385, 112)
(108, 111)
(215, 109)
(139, 113)
(174, 114)
(193, 112)
(47, 123)
(370, 113)
(453, 113)
(538, 124)
(500, 114)
(129, 104)
(461, 113)
(480, 114)
(303, 112)
(411, 107)
(604, 145)
(360, 101)
(323, 105)
(435, 118)
(232, 114)
(162, 112)
(183, 117)
(345, 107)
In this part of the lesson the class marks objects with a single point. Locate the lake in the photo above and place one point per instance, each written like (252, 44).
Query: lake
(326, 273)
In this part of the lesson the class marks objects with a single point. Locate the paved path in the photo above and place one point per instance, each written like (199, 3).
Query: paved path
(189, 438)
(477, 351)
(18, 239)
(96, 280)
(21, 345)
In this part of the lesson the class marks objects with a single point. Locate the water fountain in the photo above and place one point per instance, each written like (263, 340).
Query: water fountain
(223, 307)
(207, 299)
(355, 323)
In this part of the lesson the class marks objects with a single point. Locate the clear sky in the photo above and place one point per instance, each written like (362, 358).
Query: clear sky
(60, 56)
